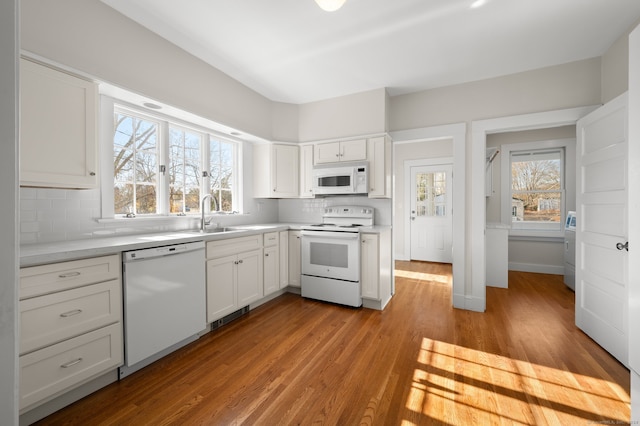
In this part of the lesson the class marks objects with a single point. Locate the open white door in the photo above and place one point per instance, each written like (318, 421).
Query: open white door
(601, 234)
(431, 220)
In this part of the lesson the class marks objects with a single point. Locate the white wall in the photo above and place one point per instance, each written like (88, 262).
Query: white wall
(353, 115)
(9, 249)
(93, 38)
(403, 152)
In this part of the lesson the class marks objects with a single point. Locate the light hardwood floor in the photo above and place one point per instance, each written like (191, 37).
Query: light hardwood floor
(297, 361)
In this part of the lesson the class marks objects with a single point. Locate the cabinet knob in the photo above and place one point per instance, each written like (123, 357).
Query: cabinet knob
(92, 173)
(337, 155)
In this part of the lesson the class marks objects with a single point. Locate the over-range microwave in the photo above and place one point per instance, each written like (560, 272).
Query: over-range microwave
(345, 178)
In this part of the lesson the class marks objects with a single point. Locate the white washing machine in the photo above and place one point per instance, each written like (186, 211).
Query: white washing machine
(570, 251)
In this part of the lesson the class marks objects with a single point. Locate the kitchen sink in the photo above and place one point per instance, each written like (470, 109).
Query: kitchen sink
(220, 230)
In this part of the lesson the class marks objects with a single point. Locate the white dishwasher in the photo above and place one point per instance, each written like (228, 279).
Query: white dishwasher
(164, 301)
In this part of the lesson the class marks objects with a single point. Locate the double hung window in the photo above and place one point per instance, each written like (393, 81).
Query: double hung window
(534, 186)
(164, 166)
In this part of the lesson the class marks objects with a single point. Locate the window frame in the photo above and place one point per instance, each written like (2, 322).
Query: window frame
(109, 106)
(539, 230)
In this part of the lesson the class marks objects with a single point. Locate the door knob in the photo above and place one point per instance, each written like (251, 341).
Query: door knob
(624, 246)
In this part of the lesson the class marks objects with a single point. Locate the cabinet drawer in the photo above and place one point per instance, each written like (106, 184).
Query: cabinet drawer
(44, 279)
(57, 368)
(233, 246)
(270, 239)
(55, 317)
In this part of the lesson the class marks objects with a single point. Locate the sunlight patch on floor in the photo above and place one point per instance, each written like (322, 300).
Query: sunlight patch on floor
(423, 276)
(520, 392)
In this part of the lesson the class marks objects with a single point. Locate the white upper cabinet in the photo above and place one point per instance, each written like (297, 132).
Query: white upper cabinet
(333, 152)
(276, 171)
(379, 167)
(58, 128)
(306, 171)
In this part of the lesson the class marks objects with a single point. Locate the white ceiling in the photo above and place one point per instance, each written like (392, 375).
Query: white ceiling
(292, 51)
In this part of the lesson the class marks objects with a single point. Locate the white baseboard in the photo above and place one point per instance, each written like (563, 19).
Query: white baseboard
(536, 268)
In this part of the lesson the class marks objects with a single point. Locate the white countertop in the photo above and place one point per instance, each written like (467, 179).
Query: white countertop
(37, 254)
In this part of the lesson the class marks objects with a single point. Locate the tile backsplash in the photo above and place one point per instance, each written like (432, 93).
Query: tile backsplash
(50, 215)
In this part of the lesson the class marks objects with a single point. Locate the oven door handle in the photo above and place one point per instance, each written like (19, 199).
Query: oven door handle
(332, 235)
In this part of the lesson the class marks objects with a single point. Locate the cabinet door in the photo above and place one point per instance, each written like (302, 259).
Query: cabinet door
(353, 150)
(285, 171)
(283, 269)
(294, 258)
(326, 152)
(379, 167)
(221, 287)
(58, 129)
(369, 265)
(306, 171)
(271, 268)
(249, 277)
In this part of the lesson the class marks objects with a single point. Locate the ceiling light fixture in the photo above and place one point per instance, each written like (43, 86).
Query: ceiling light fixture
(330, 5)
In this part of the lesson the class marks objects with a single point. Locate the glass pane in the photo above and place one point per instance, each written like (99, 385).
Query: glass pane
(135, 161)
(325, 254)
(431, 197)
(123, 198)
(536, 207)
(184, 171)
(146, 199)
(536, 175)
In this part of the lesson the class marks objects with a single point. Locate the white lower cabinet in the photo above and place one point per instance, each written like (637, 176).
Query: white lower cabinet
(222, 295)
(271, 270)
(376, 269)
(369, 265)
(295, 267)
(283, 268)
(234, 274)
(70, 326)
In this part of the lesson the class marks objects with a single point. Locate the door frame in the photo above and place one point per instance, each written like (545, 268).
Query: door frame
(408, 164)
(458, 133)
(479, 131)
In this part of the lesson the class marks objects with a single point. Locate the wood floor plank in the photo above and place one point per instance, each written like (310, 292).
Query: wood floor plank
(298, 361)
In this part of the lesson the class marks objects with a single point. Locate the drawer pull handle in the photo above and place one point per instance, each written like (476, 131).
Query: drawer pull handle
(71, 363)
(71, 313)
(69, 275)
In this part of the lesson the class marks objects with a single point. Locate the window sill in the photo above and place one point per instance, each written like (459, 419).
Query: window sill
(163, 219)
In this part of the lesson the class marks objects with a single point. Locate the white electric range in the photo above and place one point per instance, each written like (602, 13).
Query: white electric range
(331, 255)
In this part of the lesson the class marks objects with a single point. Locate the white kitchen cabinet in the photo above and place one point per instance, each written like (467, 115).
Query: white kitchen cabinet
(58, 128)
(379, 150)
(376, 271)
(306, 171)
(234, 274)
(271, 262)
(250, 277)
(284, 258)
(276, 171)
(333, 152)
(70, 327)
(295, 266)
(370, 265)
(222, 294)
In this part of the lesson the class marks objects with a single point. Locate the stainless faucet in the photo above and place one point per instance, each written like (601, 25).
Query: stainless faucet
(203, 223)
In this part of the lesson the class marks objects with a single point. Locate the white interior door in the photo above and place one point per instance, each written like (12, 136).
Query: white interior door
(431, 221)
(601, 259)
